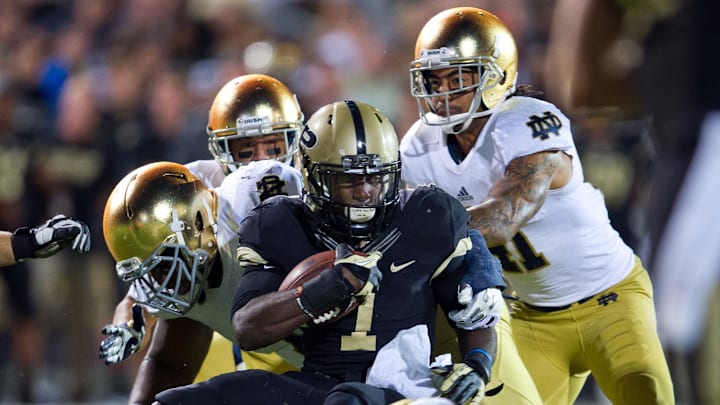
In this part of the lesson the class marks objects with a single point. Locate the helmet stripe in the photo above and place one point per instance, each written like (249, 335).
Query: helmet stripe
(359, 127)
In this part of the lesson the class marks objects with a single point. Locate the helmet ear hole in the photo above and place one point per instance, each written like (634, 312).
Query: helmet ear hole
(199, 223)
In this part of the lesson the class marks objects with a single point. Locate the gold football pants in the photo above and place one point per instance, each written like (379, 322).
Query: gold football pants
(613, 335)
(508, 370)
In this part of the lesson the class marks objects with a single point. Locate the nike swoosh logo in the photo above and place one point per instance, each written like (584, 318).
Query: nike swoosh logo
(395, 269)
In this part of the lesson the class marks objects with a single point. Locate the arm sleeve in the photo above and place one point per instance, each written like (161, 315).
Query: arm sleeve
(256, 281)
(481, 268)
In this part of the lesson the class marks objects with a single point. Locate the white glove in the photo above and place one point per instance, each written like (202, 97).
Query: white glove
(482, 310)
(50, 237)
(123, 339)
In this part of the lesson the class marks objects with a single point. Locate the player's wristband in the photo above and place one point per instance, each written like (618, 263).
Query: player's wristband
(22, 244)
(325, 296)
(481, 361)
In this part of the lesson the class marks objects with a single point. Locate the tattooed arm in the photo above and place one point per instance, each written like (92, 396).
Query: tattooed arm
(515, 198)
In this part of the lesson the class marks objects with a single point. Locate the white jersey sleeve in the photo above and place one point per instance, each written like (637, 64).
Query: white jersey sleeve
(525, 125)
(208, 171)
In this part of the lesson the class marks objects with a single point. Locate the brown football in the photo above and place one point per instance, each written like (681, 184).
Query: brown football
(310, 268)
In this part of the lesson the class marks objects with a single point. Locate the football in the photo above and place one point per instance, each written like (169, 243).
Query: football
(310, 268)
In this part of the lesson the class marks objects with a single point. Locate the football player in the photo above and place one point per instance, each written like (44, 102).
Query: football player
(253, 117)
(584, 301)
(43, 241)
(398, 253)
(174, 240)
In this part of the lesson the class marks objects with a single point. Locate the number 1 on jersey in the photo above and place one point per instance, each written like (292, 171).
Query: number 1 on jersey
(359, 338)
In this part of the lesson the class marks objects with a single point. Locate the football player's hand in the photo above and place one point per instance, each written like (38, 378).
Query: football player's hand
(50, 237)
(363, 268)
(464, 383)
(482, 310)
(460, 383)
(123, 340)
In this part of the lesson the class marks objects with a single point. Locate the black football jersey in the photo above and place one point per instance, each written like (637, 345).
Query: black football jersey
(433, 236)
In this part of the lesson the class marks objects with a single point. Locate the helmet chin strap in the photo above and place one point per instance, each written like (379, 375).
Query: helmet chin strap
(210, 216)
(451, 128)
(227, 157)
(177, 226)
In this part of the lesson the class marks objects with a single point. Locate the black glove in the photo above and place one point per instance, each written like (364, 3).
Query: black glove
(50, 237)
(328, 295)
(364, 268)
(464, 383)
(124, 339)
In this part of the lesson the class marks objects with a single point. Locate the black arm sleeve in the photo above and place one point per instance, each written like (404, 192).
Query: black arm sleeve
(256, 281)
(446, 284)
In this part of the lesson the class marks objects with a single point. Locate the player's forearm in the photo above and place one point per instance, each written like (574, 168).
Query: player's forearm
(267, 319)
(123, 310)
(494, 219)
(503, 213)
(7, 256)
(484, 338)
(516, 197)
(174, 358)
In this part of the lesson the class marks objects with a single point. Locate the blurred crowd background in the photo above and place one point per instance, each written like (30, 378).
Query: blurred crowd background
(90, 89)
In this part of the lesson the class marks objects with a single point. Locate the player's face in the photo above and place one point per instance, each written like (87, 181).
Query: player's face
(265, 147)
(176, 269)
(445, 80)
(359, 190)
(176, 263)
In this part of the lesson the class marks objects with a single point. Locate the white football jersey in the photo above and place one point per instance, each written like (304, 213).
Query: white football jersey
(568, 250)
(249, 185)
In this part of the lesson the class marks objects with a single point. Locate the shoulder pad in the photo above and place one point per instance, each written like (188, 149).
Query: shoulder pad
(526, 125)
(280, 230)
(429, 209)
(421, 134)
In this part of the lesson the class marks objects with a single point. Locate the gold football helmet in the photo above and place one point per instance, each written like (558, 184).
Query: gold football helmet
(159, 225)
(350, 145)
(248, 110)
(480, 47)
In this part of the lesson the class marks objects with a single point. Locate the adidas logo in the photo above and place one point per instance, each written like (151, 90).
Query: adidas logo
(463, 195)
